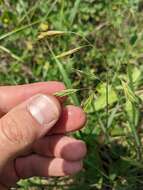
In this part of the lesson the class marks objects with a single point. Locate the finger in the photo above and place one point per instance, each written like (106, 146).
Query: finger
(26, 123)
(14, 95)
(35, 165)
(61, 147)
(8, 176)
(3, 187)
(72, 118)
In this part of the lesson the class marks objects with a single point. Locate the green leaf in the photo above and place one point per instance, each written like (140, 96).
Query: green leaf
(101, 101)
(132, 115)
(136, 74)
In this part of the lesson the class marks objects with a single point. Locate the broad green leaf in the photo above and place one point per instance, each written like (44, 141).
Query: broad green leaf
(101, 101)
(136, 74)
(117, 131)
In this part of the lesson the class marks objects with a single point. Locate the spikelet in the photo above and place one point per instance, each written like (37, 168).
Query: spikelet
(49, 33)
(69, 52)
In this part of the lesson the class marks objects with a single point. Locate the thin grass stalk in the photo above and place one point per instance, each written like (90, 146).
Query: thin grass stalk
(132, 123)
(64, 75)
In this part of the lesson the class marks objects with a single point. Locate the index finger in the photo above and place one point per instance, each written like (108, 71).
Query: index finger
(10, 96)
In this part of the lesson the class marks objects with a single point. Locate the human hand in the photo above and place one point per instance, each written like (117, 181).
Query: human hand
(33, 130)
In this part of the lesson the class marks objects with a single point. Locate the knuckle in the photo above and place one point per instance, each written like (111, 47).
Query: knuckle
(11, 130)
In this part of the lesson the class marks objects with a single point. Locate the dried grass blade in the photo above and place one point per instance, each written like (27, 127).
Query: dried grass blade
(70, 52)
(50, 33)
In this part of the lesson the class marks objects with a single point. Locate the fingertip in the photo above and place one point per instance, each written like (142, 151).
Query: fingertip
(72, 118)
(60, 85)
(82, 115)
(74, 151)
(71, 168)
(77, 117)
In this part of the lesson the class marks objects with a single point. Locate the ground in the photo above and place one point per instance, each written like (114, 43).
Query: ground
(96, 48)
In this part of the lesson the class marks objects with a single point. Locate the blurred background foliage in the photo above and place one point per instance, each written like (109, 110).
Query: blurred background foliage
(107, 68)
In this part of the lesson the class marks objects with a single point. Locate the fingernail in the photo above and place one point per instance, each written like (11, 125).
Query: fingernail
(45, 110)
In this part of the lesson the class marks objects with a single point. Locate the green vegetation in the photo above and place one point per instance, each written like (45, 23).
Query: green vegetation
(94, 47)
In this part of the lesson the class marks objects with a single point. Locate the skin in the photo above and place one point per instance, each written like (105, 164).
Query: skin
(51, 155)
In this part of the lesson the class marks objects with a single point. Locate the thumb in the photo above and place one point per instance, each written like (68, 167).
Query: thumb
(26, 123)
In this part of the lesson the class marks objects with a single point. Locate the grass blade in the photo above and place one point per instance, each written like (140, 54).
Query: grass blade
(88, 103)
(112, 115)
(74, 11)
(11, 53)
(65, 76)
(18, 30)
(69, 52)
